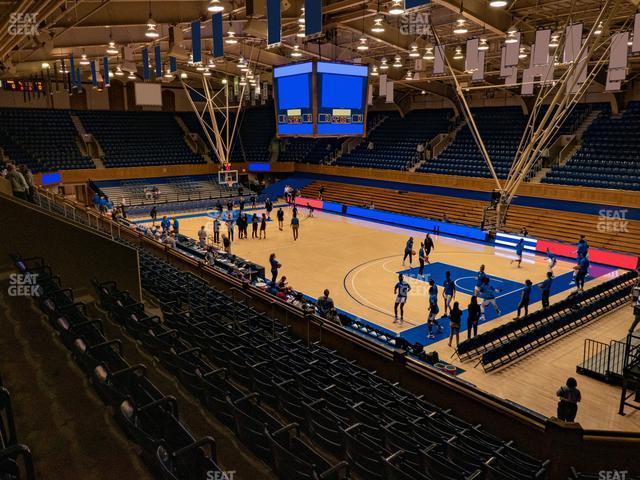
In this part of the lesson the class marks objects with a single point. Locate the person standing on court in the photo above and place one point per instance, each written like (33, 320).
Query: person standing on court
(519, 251)
(546, 289)
(433, 308)
(455, 317)
(487, 293)
(582, 269)
(569, 396)
(295, 225)
(202, 237)
(448, 291)
(473, 317)
(583, 247)
(226, 244)
(254, 226)
(216, 230)
(263, 226)
(401, 290)
(268, 205)
(479, 279)
(408, 251)
(525, 297)
(280, 215)
(229, 230)
(428, 246)
(165, 224)
(176, 226)
(421, 261)
(274, 268)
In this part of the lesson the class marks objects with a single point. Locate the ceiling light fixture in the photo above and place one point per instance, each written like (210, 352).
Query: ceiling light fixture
(362, 46)
(484, 45)
(119, 71)
(84, 60)
(231, 37)
(414, 53)
(458, 55)
(383, 64)
(296, 51)
(428, 54)
(396, 8)
(523, 53)
(461, 27)
(598, 29)
(397, 61)
(131, 76)
(112, 49)
(378, 27)
(512, 35)
(215, 6)
(374, 71)
(498, 3)
(152, 28)
(300, 33)
(555, 41)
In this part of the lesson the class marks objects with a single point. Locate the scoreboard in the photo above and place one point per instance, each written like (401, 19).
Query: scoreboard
(321, 99)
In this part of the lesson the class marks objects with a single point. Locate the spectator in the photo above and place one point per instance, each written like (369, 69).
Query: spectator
(18, 183)
(170, 240)
(226, 244)
(473, 316)
(420, 151)
(153, 214)
(324, 304)
(209, 257)
(28, 176)
(524, 232)
(332, 316)
(569, 396)
(202, 237)
(370, 145)
(176, 226)
(275, 265)
(283, 287)
(455, 316)
(216, 231)
(165, 224)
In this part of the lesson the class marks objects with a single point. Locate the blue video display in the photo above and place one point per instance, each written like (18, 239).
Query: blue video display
(294, 99)
(342, 99)
(321, 99)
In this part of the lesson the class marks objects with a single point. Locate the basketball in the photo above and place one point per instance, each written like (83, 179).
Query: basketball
(413, 252)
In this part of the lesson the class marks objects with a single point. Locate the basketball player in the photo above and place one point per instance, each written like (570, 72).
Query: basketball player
(519, 250)
(487, 293)
(421, 260)
(401, 290)
(295, 226)
(310, 210)
(433, 308)
(428, 246)
(582, 269)
(216, 230)
(280, 215)
(551, 260)
(254, 226)
(263, 226)
(448, 292)
(479, 279)
(525, 297)
(408, 251)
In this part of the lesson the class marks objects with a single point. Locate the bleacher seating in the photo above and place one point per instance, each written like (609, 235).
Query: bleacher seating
(134, 139)
(396, 138)
(15, 458)
(511, 340)
(256, 128)
(250, 378)
(148, 417)
(609, 156)
(501, 129)
(308, 150)
(43, 139)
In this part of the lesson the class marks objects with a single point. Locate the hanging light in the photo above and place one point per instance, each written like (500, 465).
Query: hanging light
(300, 33)
(512, 35)
(555, 40)
(131, 76)
(45, 65)
(598, 29)
(383, 64)
(243, 82)
(152, 29)
(362, 46)
(207, 72)
(184, 75)
(374, 71)
(215, 6)
(200, 67)
(301, 18)
(110, 74)
(498, 3)
(211, 63)
(409, 75)
(378, 27)
(428, 54)
(112, 49)
(423, 92)
(119, 71)
(242, 63)
(484, 45)
(523, 53)
(296, 51)
(168, 73)
(224, 81)
(630, 41)
(414, 53)
(458, 55)
(84, 60)
(396, 8)
(461, 27)
(231, 37)
(397, 61)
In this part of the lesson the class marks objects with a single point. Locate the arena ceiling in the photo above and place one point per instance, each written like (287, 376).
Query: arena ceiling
(87, 26)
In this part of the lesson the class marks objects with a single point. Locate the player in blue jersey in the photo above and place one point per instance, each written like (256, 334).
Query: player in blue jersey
(519, 251)
(408, 251)
(448, 291)
(551, 260)
(582, 269)
(545, 287)
(487, 293)
(479, 279)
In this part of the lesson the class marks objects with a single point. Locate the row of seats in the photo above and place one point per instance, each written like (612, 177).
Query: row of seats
(133, 139)
(148, 417)
(344, 410)
(610, 141)
(574, 312)
(43, 139)
(506, 332)
(396, 139)
(16, 461)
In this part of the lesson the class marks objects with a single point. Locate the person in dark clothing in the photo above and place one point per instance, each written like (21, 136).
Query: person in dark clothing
(324, 304)
(274, 268)
(254, 226)
(473, 316)
(569, 396)
(280, 215)
(525, 297)
(263, 226)
(455, 316)
(546, 289)
(153, 214)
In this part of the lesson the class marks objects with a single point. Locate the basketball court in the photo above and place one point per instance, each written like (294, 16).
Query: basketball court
(359, 262)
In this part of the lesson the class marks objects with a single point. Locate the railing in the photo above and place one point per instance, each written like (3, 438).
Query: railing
(132, 201)
(567, 149)
(595, 358)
